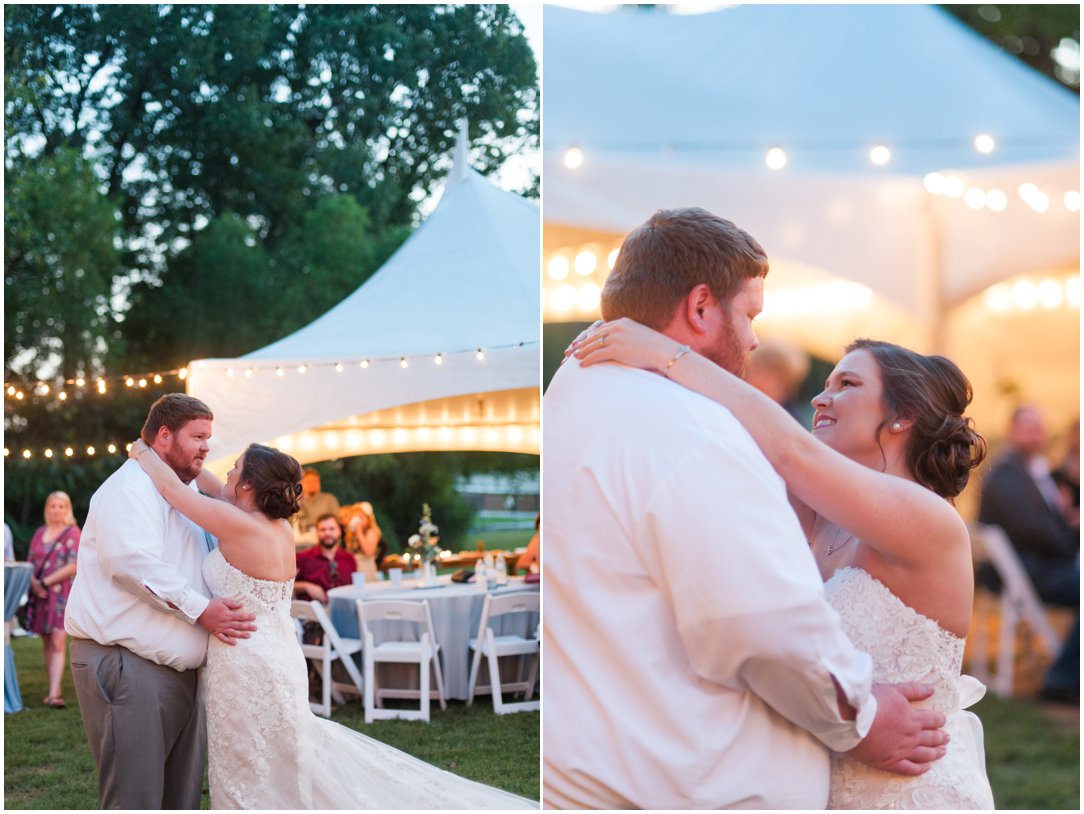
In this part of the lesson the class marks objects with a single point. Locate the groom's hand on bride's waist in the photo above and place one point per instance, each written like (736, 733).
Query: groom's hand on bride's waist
(903, 739)
(225, 620)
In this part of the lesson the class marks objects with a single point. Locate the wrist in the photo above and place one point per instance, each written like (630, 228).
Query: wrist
(678, 352)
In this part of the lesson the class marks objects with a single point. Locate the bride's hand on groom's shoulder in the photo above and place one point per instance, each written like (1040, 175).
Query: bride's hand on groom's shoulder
(584, 334)
(137, 447)
(626, 341)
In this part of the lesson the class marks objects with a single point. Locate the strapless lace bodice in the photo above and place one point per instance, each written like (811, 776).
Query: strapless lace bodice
(258, 596)
(907, 646)
(266, 749)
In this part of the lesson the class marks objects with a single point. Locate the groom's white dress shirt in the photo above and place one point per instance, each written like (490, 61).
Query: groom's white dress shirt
(689, 649)
(139, 581)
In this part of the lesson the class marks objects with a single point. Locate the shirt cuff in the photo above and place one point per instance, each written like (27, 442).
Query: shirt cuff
(864, 718)
(193, 605)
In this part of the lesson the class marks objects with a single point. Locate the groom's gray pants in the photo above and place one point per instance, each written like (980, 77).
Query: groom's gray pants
(144, 723)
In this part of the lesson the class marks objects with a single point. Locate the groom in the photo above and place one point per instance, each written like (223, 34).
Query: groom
(139, 617)
(692, 661)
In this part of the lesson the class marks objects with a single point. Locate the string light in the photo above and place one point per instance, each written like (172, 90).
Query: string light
(984, 143)
(775, 158)
(338, 367)
(573, 158)
(558, 267)
(480, 355)
(880, 155)
(403, 363)
(438, 359)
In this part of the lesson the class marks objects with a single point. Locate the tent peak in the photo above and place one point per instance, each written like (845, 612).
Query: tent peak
(461, 156)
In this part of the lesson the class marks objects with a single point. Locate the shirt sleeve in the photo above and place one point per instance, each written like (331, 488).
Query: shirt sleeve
(747, 596)
(130, 533)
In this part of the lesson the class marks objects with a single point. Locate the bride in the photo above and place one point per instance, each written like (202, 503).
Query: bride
(266, 749)
(872, 486)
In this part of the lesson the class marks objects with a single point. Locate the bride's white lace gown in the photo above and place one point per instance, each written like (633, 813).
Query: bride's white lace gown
(907, 646)
(267, 750)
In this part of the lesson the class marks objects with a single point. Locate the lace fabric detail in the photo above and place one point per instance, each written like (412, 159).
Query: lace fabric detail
(907, 646)
(267, 750)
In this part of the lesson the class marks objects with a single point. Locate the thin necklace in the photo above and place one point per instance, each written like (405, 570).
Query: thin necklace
(836, 545)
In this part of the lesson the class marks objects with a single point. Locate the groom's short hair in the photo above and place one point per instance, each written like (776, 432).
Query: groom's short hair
(173, 410)
(662, 260)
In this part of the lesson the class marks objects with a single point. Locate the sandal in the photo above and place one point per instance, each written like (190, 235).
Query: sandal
(55, 703)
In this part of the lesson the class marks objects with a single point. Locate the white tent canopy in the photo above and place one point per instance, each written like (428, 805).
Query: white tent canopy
(437, 350)
(673, 111)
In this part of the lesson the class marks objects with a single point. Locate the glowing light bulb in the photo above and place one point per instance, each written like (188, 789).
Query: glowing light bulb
(985, 143)
(934, 183)
(557, 267)
(880, 155)
(775, 158)
(996, 200)
(586, 262)
(573, 158)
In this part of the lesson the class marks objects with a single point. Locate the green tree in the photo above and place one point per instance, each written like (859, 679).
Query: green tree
(1033, 33)
(59, 264)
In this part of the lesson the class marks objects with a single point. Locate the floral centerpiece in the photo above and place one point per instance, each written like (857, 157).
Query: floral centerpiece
(426, 543)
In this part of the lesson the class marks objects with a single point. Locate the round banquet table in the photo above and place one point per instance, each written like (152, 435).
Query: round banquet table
(456, 609)
(16, 584)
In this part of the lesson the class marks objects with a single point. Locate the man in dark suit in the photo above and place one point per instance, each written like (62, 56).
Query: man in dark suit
(1019, 495)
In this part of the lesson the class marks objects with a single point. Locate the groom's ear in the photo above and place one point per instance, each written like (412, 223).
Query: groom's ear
(698, 307)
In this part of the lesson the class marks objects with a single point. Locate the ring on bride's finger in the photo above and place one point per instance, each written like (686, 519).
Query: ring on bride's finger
(603, 341)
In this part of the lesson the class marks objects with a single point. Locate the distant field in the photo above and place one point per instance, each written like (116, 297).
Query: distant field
(509, 540)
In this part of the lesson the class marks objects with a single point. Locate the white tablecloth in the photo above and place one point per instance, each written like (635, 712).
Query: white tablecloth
(456, 609)
(16, 583)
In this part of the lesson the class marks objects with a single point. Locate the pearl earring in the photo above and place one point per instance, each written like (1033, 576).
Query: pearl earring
(897, 426)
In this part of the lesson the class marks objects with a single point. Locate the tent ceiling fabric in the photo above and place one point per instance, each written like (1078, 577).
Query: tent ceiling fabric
(694, 102)
(466, 279)
(813, 77)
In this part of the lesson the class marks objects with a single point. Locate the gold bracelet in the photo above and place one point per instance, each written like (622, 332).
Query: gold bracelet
(681, 351)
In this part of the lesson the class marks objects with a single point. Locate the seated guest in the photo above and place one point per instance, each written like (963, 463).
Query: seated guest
(314, 505)
(531, 561)
(363, 537)
(324, 566)
(1020, 496)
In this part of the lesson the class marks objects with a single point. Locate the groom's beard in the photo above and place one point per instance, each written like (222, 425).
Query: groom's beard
(186, 468)
(727, 352)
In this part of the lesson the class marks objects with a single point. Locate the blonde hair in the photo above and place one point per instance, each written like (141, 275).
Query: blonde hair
(69, 518)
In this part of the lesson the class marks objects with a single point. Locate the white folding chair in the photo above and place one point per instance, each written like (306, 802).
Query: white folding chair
(333, 647)
(493, 647)
(1019, 603)
(425, 652)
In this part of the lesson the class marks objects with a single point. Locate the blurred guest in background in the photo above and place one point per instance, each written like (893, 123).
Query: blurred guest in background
(326, 565)
(314, 505)
(52, 554)
(531, 561)
(777, 369)
(9, 544)
(1067, 476)
(364, 540)
(1020, 495)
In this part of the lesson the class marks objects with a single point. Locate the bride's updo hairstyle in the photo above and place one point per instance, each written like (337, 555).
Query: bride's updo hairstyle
(275, 479)
(932, 393)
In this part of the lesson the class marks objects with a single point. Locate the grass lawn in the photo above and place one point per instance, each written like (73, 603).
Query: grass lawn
(47, 763)
(1032, 753)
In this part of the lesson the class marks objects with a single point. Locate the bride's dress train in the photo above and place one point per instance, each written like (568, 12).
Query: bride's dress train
(267, 750)
(907, 646)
